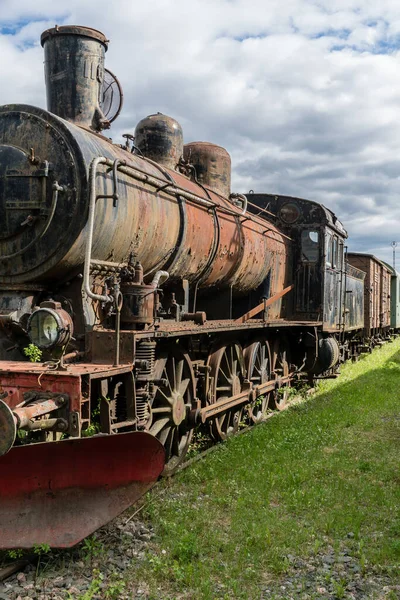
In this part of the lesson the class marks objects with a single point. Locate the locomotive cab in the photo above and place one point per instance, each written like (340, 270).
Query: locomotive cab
(317, 251)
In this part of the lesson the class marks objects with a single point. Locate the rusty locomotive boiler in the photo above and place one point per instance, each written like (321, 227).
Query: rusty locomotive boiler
(149, 299)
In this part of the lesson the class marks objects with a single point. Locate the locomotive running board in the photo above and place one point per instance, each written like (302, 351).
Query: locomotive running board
(58, 493)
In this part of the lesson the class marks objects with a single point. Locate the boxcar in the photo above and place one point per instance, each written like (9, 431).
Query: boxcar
(377, 319)
(394, 298)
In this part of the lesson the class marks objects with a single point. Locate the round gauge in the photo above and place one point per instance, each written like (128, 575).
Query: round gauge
(289, 213)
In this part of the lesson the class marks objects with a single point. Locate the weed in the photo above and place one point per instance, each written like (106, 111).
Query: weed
(339, 588)
(186, 549)
(115, 588)
(94, 426)
(92, 548)
(41, 549)
(108, 589)
(33, 353)
(92, 429)
(14, 554)
(93, 589)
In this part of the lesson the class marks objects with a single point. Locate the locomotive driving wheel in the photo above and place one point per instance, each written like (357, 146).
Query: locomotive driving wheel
(226, 377)
(171, 404)
(280, 364)
(257, 358)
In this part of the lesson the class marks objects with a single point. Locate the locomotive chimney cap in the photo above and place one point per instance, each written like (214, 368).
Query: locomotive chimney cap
(88, 32)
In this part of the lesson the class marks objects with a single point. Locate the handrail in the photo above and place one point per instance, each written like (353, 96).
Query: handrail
(173, 190)
(99, 160)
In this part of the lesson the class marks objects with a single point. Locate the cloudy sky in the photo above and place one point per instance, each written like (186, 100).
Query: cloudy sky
(304, 94)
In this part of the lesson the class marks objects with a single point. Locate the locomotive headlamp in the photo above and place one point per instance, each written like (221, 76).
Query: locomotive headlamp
(50, 326)
(289, 213)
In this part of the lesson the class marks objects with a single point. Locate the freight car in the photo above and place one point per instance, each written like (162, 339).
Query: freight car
(149, 297)
(394, 299)
(376, 294)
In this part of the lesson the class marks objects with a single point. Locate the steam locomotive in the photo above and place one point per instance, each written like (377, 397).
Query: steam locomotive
(149, 299)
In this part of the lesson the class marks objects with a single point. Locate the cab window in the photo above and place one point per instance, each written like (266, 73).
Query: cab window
(340, 254)
(328, 250)
(334, 252)
(309, 246)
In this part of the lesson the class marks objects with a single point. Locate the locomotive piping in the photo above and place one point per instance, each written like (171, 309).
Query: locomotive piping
(92, 206)
(164, 275)
(100, 160)
(243, 199)
(173, 190)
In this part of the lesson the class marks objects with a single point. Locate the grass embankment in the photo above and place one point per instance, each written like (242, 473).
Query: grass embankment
(320, 478)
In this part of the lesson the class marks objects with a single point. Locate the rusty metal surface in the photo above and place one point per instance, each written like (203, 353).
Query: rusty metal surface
(71, 370)
(59, 493)
(212, 166)
(217, 247)
(173, 328)
(376, 290)
(74, 71)
(8, 428)
(263, 305)
(235, 250)
(160, 138)
(38, 408)
(225, 403)
(354, 299)
(136, 225)
(77, 30)
(15, 380)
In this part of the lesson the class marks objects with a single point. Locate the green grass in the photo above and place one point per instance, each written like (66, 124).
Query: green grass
(323, 474)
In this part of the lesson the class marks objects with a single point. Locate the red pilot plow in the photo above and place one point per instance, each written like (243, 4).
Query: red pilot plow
(58, 493)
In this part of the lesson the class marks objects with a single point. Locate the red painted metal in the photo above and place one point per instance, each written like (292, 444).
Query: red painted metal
(25, 413)
(19, 377)
(58, 493)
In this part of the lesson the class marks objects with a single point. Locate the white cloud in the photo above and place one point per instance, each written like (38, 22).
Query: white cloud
(304, 94)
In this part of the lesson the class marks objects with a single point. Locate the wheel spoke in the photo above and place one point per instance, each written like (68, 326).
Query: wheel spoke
(183, 386)
(228, 420)
(163, 438)
(226, 377)
(228, 364)
(167, 409)
(179, 375)
(173, 373)
(166, 397)
(169, 386)
(158, 426)
(235, 367)
(175, 443)
(258, 371)
(221, 420)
